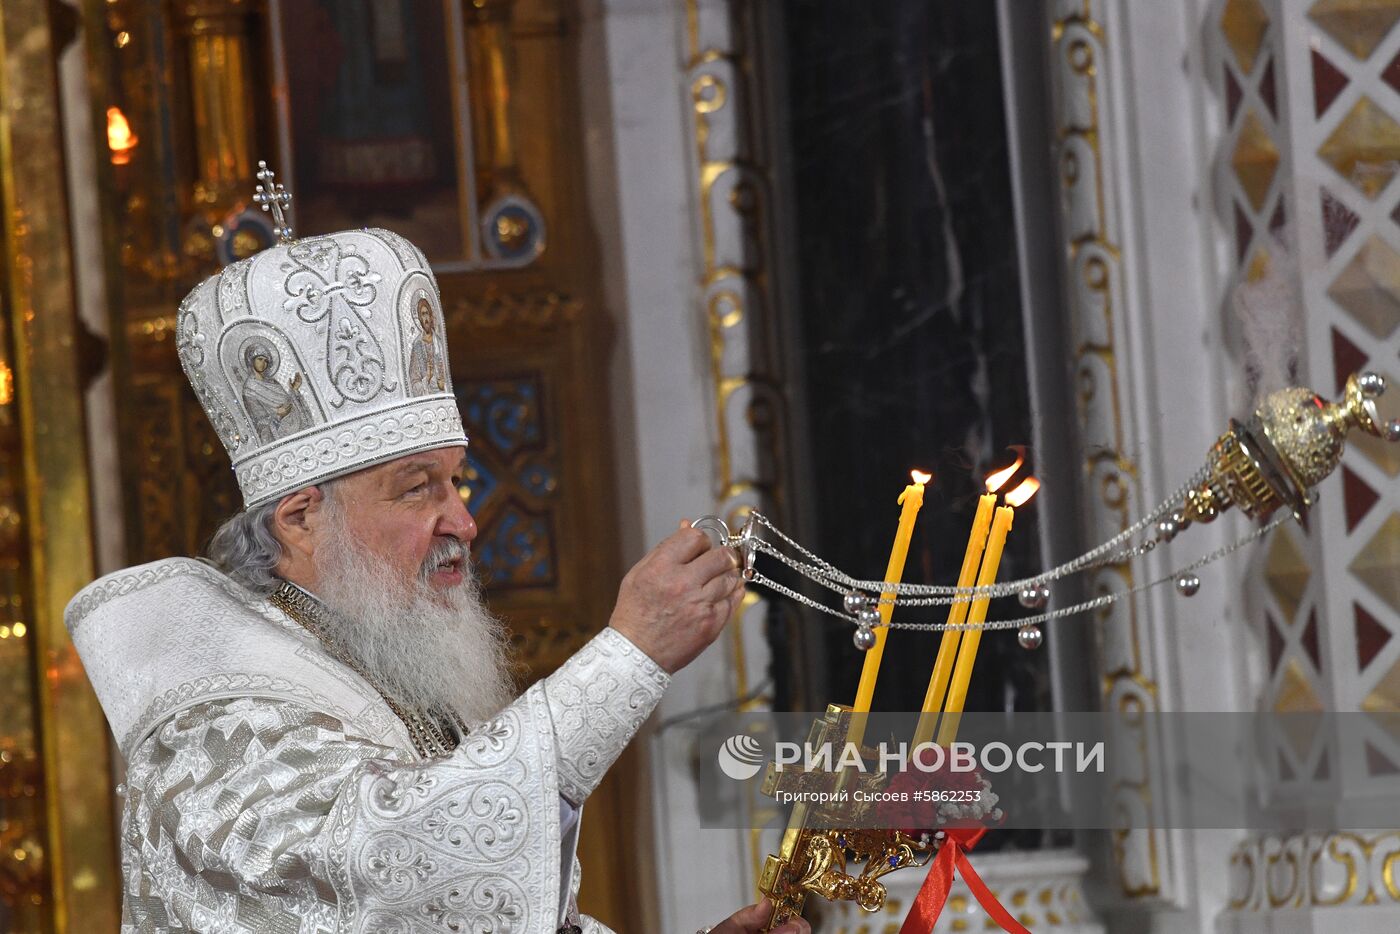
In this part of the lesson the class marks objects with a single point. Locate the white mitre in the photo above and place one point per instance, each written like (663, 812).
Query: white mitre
(319, 357)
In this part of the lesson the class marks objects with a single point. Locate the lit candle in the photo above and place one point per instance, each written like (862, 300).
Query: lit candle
(957, 613)
(967, 651)
(911, 500)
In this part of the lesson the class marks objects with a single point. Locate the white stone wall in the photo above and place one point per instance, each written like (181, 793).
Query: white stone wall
(644, 189)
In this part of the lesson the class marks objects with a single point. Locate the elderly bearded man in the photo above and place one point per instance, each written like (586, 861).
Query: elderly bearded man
(318, 721)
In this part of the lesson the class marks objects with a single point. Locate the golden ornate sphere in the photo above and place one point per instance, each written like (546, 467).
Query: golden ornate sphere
(1297, 421)
(1291, 443)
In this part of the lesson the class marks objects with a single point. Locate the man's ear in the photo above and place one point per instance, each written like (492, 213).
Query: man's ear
(296, 520)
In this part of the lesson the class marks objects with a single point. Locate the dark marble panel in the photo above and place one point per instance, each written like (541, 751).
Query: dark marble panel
(908, 313)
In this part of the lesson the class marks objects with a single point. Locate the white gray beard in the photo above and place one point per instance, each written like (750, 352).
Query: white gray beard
(429, 649)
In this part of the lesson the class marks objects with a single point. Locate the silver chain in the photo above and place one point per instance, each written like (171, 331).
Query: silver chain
(1111, 552)
(823, 572)
(1097, 603)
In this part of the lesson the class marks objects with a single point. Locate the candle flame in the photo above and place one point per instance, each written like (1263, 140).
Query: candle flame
(120, 139)
(920, 477)
(1023, 492)
(998, 480)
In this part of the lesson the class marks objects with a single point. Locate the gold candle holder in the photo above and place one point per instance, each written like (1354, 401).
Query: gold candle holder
(838, 865)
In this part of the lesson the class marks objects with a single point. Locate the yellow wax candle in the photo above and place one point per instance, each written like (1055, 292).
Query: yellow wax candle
(967, 651)
(957, 614)
(911, 500)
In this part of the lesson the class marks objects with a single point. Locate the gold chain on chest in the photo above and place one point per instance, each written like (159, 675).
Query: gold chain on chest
(432, 736)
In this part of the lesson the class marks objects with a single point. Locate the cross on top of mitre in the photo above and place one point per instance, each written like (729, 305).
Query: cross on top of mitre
(274, 197)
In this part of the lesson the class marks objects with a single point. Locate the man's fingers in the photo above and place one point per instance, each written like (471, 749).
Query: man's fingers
(748, 920)
(725, 611)
(717, 562)
(719, 589)
(737, 596)
(706, 566)
(684, 545)
(721, 613)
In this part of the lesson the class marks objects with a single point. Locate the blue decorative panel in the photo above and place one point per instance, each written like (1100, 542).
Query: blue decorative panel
(507, 412)
(539, 479)
(479, 481)
(513, 479)
(516, 550)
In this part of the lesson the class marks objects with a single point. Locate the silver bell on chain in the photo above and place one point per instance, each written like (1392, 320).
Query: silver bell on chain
(866, 620)
(1188, 584)
(1035, 597)
(864, 638)
(1030, 637)
(854, 601)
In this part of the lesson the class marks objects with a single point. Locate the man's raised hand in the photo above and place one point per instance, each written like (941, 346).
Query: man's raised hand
(675, 601)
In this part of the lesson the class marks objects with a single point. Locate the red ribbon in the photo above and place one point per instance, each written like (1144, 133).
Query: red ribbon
(934, 894)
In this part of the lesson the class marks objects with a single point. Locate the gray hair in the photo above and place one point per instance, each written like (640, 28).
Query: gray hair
(246, 549)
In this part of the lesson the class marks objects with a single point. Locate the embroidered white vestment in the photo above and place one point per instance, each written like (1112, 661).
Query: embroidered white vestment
(271, 790)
